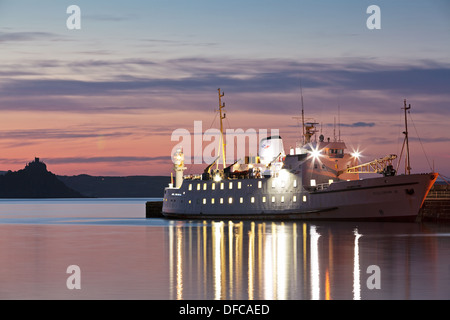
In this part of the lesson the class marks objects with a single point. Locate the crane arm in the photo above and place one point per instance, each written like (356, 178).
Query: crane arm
(376, 166)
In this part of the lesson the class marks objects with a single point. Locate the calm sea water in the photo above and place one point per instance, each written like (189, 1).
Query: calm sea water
(122, 255)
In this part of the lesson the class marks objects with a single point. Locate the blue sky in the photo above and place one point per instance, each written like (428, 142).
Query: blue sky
(287, 29)
(140, 69)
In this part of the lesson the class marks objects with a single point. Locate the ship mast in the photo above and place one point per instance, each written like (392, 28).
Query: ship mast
(303, 113)
(222, 141)
(408, 164)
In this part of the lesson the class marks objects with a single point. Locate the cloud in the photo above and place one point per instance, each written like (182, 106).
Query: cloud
(272, 83)
(59, 134)
(198, 81)
(26, 36)
(4, 161)
(176, 43)
(122, 160)
(248, 75)
(408, 81)
(111, 159)
(430, 139)
(109, 63)
(358, 124)
(279, 82)
(109, 17)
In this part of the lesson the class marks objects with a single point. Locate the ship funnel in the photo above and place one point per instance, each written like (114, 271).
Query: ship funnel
(270, 148)
(178, 166)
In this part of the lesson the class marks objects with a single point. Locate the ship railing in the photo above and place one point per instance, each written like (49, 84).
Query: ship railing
(192, 177)
(257, 175)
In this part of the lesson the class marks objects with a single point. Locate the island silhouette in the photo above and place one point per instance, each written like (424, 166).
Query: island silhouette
(35, 181)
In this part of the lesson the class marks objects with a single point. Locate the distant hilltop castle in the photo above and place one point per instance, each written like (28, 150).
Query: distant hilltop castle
(36, 165)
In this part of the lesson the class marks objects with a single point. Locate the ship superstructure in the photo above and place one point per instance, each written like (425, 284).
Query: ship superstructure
(318, 179)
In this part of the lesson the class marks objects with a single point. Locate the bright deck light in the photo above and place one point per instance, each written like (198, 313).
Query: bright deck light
(356, 154)
(315, 153)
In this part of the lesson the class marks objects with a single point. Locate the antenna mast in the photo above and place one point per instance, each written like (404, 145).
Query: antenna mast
(334, 129)
(222, 141)
(339, 122)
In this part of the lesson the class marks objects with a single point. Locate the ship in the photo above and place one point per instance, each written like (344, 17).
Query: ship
(319, 179)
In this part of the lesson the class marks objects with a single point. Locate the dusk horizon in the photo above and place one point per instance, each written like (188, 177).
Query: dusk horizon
(105, 99)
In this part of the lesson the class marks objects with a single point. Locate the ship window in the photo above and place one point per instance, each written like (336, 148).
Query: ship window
(221, 200)
(190, 186)
(212, 200)
(304, 198)
(330, 181)
(230, 200)
(282, 198)
(221, 186)
(239, 184)
(264, 199)
(252, 199)
(295, 183)
(230, 185)
(313, 182)
(198, 186)
(273, 198)
(241, 200)
(213, 186)
(204, 200)
(189, 201)
(259, 184)
(204, 186)
(294, 198)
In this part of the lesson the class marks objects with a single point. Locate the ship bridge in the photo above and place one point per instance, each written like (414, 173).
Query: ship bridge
(334, 149)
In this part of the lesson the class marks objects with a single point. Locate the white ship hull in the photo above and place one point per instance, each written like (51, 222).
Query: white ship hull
(382, 198)
(317, 180)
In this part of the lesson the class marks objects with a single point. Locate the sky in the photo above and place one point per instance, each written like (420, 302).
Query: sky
(106, 98)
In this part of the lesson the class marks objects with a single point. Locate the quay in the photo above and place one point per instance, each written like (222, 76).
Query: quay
(153, 209)
(435, 208)
(437, 204)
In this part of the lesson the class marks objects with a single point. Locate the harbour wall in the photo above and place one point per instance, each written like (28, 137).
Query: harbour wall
(437, 204)
(435, 208)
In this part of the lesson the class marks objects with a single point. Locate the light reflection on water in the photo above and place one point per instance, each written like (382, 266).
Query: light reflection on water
(296, 260)
(123, 255)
